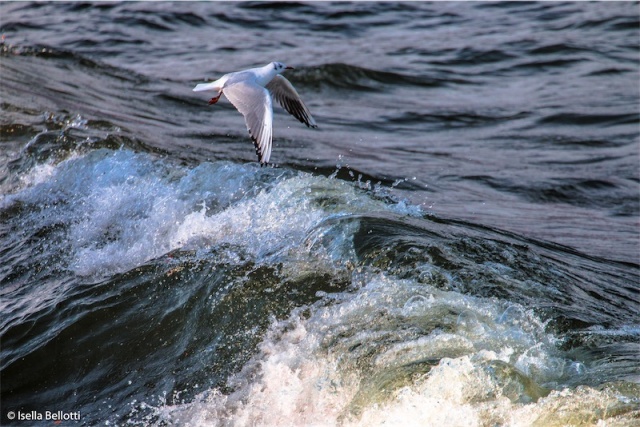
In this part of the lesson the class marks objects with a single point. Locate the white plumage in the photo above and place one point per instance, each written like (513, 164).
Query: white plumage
(250, 91)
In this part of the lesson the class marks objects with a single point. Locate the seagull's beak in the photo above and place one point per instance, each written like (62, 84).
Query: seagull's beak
(289, 68)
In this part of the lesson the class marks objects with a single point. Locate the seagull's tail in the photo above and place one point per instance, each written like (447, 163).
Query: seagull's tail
(206, 86)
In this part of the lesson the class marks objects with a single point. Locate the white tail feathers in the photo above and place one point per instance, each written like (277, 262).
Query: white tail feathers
(206, 86)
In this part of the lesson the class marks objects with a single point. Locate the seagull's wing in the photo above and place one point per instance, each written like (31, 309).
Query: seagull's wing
(254, 102)
(284, 92)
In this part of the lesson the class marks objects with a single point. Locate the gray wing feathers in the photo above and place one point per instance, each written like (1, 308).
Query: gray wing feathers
(287, 96)
(254, 102)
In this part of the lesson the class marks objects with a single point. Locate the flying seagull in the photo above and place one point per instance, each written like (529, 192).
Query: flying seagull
(250, 91)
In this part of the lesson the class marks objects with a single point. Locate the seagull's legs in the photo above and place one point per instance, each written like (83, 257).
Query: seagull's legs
(215, 99)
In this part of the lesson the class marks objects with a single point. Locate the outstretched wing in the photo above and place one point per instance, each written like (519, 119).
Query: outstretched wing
(254, 102)
(287, 96)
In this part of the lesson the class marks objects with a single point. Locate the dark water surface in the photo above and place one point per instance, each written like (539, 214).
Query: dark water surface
(456, 244)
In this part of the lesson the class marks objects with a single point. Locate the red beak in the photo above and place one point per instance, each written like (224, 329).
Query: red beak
(289, 68)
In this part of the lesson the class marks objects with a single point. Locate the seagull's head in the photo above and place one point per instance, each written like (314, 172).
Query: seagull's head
(279, 67)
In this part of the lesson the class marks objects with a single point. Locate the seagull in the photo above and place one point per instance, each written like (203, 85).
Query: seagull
(250, 91)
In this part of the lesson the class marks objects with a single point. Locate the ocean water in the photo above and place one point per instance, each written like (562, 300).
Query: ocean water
(457, 244)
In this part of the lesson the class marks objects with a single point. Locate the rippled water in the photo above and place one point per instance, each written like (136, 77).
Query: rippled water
(457, 244)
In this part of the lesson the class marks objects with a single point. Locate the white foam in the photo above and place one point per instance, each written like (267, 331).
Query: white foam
(123, 209)
(360, 362)
(262, 224)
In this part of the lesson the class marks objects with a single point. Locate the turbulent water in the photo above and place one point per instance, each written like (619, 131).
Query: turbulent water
(456, 244)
